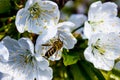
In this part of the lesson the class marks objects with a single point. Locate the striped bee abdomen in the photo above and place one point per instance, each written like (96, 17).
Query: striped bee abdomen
(50, 52)
(57, 45)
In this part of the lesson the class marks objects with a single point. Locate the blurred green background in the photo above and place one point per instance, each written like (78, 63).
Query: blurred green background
(72, 66)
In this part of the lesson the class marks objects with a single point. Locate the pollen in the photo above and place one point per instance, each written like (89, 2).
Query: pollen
(40, 32)
(35, 11)
(114, 24)
(56, 17)
(44, 3)
(51, 11)
(53, 7)
(20, 16)
(45, 20)
(42, 54)
(14, 59)
(36, 23)
(45, 27)
(72, 36)
(99, 49)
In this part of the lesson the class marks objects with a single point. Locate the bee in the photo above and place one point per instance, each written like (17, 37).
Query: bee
(56, 46)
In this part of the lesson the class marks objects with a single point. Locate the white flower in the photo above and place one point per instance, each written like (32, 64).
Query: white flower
(102, 18)
(4, 54)
(37, 17)
(23, 63)
(103, 49)
(65, 36)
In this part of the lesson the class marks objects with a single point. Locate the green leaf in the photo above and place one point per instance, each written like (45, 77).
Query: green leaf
(4, 6)
(70, 58)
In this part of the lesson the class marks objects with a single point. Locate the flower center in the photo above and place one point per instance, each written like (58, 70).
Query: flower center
(94, 23)
(28, 57)
(34, 11)
(98, 48)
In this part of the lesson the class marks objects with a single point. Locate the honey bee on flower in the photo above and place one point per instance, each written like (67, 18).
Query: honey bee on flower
(52, 49)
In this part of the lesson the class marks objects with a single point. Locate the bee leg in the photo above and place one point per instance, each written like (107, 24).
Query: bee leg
(46, 45)
(45, 57)
(56, 55)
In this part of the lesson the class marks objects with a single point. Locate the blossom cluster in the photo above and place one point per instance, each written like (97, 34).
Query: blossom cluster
(22, 60)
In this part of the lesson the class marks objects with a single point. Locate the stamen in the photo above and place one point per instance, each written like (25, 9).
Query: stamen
(97, 47)
(34, 11)
(28, 57)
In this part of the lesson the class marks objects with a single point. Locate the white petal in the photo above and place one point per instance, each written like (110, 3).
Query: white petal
(30, 2)
(93, 9)
(1, 75)
(11, 44)
(4, 54)
(50, 11)
(113, 25)
(110, 8)
(87, 30)
(26, 44)
(68, 39)
(88, 55)
(66, 26)
(111, 42)
(7, 77)
(43, 65)
(20, 21)
(36, 26)
(42, 62)
(102, 63)
(45, 75)
(78, 19)
(66, 23)
(98, 10)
